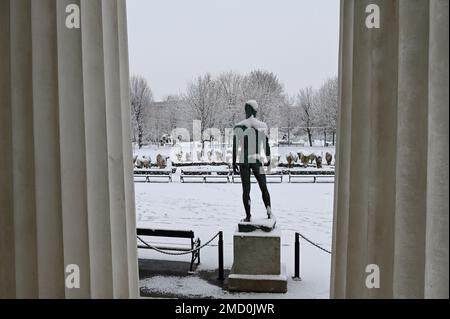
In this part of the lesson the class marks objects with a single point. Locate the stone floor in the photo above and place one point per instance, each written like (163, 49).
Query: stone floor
(151, 268)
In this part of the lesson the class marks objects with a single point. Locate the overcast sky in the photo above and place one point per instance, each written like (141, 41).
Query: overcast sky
(173, 41)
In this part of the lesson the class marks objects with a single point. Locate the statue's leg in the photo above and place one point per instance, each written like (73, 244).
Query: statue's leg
(262, 182)
(246, 184)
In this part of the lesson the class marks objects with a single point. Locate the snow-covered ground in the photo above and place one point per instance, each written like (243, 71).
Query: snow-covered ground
(209, 208)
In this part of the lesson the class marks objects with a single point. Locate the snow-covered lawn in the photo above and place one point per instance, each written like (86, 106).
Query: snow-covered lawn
(209, 208)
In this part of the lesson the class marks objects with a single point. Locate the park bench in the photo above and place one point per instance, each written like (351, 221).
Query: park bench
(218, 176)
(315, 175)
(198, 164)
(273, 177)
(155, 175)
(188, 234)
(205, 176)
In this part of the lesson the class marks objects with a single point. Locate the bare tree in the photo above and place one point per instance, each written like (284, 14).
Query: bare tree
(141, 96)
(266, 89)
(308, 111)
(174, 104)
(328, 104)
(203, 99)
(232, 98)
(289, 117)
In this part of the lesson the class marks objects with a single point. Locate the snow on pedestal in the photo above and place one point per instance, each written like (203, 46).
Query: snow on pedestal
(266, 225)
(257, 263)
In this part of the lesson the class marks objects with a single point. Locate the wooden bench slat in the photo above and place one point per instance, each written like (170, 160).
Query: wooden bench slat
(166, 248)
(165, 233)
(172, 234)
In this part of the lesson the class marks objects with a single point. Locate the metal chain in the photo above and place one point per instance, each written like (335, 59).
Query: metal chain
(207, 243)
(314, 244)
(177, 254)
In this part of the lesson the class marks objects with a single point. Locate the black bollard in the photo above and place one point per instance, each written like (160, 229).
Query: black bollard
(221, 276)
(297, 258)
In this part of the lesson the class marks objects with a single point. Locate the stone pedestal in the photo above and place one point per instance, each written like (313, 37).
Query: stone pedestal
(266, 225)
(257, 263)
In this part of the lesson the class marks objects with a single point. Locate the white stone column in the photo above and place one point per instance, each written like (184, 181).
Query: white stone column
(381, 98)
(49, 226)
(127, 150)
(73, 150)
(411, 170)
(359, 159)
(115, 149)
(394, 124)
(7, 264)
(436, 269)
(23, 151)
(96, 150)
(67, 194)
(343, 153)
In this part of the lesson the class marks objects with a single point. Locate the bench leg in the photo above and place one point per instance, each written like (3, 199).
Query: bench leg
(193, 256)
(198, 252)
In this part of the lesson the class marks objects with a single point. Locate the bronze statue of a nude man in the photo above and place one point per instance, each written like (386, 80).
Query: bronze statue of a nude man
(249, 140)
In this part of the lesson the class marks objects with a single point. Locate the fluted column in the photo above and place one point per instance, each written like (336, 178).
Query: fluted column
(7, 265)
(127, 149)
(436, 269)
(96, 150)
(23, 150)
(393, 122)
(50, 244)
(381, 96)
(67, 196)
(343, 153)
(359, 158)
(411, 170)
(73, 150)
(115, 149)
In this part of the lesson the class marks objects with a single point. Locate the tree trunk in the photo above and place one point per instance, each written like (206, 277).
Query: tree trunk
(310, 137)
(325, 137)
(203, 147)
(140, 135)
(140, 139)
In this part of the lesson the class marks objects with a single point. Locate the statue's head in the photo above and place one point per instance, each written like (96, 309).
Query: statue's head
(251, 108)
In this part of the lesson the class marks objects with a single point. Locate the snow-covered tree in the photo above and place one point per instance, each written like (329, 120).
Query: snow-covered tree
(308, 111)
(327, 99)
(267, 90)
(232, 98)
(289, 117)
(203, 100)
(174, 107)
(140, 98)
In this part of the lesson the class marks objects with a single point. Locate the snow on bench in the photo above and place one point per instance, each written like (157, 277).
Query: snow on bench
(153, 175)
(188, 234)
(198, 164)
(205, 175)
(326, 175)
